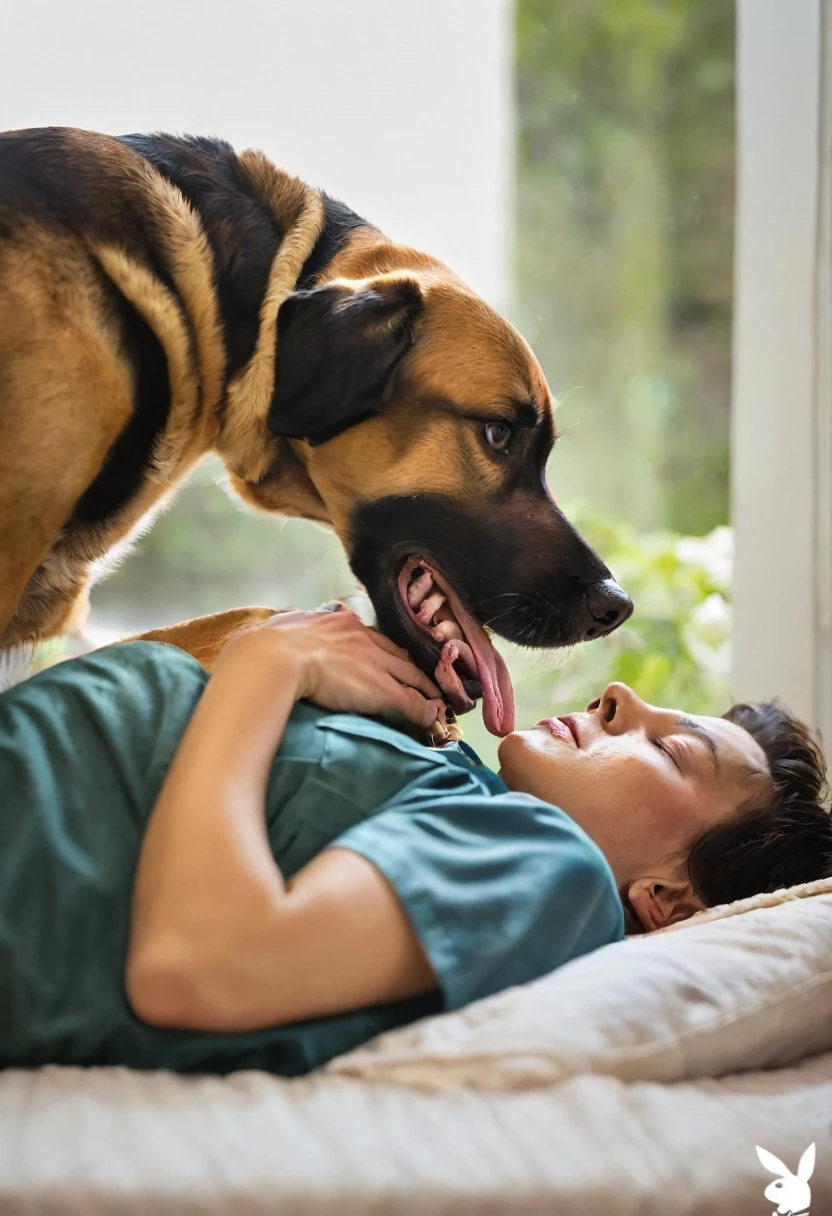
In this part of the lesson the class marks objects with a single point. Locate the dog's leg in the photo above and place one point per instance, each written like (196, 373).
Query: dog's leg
(65, 396)
(204, 636)
(37, 496)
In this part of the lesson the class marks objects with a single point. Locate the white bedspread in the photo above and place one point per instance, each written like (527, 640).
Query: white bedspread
(112, 1142)
(592, 1114)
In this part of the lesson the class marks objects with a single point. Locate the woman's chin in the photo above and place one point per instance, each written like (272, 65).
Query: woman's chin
(535, 739)
(505, 749)
(509, 743)
(512, 750)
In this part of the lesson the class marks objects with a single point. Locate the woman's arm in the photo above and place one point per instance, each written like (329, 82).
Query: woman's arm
(217, 940)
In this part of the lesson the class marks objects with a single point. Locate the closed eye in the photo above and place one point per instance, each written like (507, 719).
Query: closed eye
(660, 744)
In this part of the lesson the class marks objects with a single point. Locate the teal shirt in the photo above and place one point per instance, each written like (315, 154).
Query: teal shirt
(500, 887)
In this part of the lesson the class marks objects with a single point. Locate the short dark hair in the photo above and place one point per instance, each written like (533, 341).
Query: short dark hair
(782, 836)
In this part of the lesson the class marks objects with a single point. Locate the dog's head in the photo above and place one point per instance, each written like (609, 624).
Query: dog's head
(420, 425)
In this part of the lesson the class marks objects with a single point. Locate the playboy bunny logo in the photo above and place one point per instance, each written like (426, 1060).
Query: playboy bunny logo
(790, 1191)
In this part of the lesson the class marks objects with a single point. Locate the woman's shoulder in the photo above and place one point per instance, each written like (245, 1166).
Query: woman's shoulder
(98, 731)
(139, 656)
(123, 659)
(139, 681)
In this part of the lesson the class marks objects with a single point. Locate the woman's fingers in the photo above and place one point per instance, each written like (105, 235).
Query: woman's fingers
(333, 638)
(384, 643)
(411, 705)
(397, 660)
(408, 673)
(406, 670)
(338, 606)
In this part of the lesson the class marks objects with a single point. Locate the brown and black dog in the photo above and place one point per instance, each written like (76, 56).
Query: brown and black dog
(162, 298)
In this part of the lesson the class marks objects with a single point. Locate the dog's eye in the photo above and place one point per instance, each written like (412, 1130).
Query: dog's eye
(498, 436)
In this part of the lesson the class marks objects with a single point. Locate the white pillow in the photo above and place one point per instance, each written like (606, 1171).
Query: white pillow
(730, 993)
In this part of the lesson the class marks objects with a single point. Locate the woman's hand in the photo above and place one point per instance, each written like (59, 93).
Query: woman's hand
(337, 662)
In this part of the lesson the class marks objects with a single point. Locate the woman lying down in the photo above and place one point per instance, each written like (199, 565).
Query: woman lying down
(206, 874)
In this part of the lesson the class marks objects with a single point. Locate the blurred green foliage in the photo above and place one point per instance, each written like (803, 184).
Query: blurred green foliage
(624, 246)
(208, 552)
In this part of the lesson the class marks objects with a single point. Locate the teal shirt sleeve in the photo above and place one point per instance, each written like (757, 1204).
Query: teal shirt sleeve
(499, 889)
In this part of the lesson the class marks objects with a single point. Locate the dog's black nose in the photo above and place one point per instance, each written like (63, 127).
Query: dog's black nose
(608, 605)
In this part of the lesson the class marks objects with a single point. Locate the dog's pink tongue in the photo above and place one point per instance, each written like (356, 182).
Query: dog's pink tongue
(497, 692)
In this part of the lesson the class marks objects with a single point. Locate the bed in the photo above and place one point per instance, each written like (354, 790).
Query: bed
(636, 1080)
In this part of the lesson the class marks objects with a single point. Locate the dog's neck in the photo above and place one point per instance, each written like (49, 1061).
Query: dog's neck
(245, 443)
(367, 253)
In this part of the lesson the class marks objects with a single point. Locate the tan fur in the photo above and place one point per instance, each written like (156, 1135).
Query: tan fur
(161, 311)
(204, 636)
(38, 483)
(185, 242)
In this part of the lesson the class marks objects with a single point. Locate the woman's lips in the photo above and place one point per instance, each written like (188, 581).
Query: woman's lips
(562, 728)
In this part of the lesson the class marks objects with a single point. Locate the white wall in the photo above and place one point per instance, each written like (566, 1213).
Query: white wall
(400, 108)
(781, 451)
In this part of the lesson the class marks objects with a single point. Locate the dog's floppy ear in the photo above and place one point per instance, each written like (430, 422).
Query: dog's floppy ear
(337, 348)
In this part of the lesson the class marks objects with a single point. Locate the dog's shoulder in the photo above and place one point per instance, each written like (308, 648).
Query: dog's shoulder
(244, 235)
(82, 183)
(206, 170)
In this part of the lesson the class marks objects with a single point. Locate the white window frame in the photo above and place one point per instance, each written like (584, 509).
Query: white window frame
(782, 400)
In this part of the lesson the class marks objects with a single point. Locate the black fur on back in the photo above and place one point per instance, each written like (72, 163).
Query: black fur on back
(46, 175)
(243, 235)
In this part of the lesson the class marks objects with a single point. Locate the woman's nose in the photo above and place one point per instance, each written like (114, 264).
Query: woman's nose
(619, 709)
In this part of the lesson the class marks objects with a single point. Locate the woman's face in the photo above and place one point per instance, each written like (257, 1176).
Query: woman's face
(643, 782)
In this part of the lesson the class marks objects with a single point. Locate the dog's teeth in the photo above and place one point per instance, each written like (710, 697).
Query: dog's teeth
(419, 588)
(430, 607)
(447, 630)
